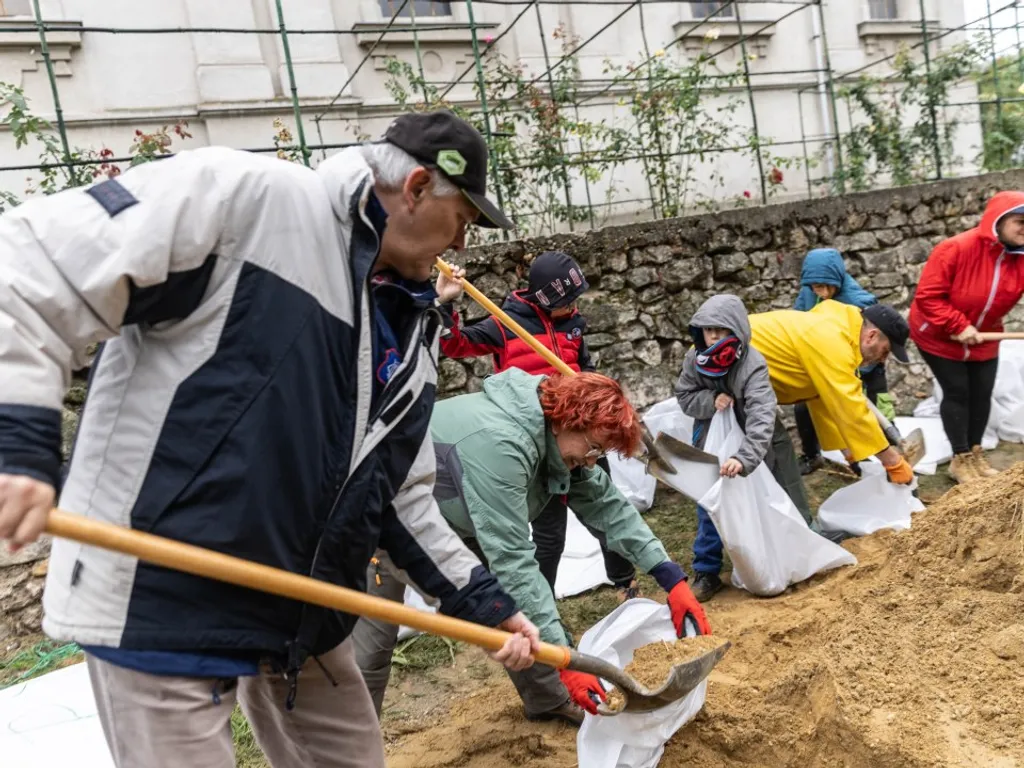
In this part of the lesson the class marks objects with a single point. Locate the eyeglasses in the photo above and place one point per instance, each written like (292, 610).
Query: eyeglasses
(595, 452)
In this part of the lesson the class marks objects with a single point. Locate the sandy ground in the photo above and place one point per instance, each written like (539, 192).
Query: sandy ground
(912, 659)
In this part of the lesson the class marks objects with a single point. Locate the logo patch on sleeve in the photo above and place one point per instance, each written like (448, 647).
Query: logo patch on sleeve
(112, 195)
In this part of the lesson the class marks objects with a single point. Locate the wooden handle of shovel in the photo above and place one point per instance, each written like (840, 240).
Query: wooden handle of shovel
(244, 573)
(1004, 336)
(552, 359)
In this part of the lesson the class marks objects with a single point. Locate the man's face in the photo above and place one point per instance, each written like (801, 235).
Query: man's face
(578, 449)
(422, 226)
(874, 346)
(1011, 229)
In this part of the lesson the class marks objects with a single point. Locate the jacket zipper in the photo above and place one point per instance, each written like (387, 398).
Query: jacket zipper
(991, 300)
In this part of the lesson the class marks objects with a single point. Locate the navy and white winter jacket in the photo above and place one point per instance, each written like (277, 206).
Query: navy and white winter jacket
(230, 406)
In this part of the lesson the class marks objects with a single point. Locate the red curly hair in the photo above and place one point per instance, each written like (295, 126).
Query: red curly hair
(592, 403)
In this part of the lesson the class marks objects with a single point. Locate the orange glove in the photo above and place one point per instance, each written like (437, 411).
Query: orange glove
(583, 688)
(901, 472)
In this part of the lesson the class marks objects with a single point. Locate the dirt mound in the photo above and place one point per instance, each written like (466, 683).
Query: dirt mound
(912, 659)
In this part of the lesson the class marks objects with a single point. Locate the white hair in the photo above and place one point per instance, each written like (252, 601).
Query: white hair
(391, 166)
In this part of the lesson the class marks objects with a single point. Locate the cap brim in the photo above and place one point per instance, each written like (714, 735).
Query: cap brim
(490, 215)
(900, 352)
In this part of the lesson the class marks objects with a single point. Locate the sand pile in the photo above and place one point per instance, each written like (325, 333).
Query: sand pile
(912, 659)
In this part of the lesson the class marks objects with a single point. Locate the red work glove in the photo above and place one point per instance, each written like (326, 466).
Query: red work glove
(682, 602)
(581, 688)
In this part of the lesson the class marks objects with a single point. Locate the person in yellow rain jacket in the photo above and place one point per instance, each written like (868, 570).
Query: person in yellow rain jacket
(813, 358)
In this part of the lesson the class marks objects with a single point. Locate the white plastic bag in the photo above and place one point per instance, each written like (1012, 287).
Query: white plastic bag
(869, 505)
(630, 476)
(414, 599)
(669, 418)
(937, 449)
(582, 565)
(767, 539)
(632, 740)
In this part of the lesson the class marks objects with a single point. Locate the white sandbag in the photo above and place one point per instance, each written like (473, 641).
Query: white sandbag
(582, 565)
(869, 505)
(937, 449)
(414, 599)
(927, 408)
(767, 539)
(630, 476)
(632, 740)
(669, 418)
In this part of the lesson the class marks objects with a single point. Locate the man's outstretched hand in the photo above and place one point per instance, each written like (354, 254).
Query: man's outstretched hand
(517, 653)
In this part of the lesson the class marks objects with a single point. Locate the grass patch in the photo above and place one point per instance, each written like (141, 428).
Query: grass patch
(42, 657)
(247, 751)
(424, 652)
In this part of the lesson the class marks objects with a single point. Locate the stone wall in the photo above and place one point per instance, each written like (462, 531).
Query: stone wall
(648, 279)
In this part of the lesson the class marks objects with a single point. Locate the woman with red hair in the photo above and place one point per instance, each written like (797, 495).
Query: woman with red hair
(501, 455)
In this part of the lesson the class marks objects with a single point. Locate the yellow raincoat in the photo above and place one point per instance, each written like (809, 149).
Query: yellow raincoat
(813, 357)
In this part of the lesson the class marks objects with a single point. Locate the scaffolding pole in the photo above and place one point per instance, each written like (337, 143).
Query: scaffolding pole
(932, 112)
(296, 108)
(44, 48)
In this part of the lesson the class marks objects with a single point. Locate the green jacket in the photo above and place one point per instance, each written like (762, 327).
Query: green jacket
(498, 466)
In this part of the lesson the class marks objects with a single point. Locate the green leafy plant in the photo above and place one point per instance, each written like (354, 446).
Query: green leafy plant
(897, 137)
(1001, 85)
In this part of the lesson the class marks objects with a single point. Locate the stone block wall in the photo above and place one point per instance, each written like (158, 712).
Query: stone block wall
(647, 279)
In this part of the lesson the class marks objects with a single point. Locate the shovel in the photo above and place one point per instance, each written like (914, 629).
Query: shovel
(653, 451)
(912, 446)
(198, 561)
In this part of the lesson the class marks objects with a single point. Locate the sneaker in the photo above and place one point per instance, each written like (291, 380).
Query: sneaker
(705, 585)
(628, 591)
(981, 465)
(962, 468)
(569, 712)
(811, 464)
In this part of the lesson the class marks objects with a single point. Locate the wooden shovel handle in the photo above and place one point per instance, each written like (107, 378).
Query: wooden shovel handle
(553, 360)
(244, 573)
(1004, 336)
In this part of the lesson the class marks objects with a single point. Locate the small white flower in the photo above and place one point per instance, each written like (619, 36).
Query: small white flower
(712, 34)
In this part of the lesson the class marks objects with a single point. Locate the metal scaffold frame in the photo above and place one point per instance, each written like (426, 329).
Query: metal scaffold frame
(830, 88)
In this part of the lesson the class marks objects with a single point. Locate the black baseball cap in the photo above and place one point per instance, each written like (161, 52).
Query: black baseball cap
(890, 322)
(443, 141)
(556, 280)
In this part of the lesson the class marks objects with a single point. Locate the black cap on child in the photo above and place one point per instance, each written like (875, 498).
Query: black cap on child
(556, 280)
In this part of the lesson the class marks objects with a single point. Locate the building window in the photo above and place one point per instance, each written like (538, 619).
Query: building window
(704, 9)
(882, 9)
(15, 7)
(422, 8)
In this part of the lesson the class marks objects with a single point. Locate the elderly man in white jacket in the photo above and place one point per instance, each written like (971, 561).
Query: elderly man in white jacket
(264, 389)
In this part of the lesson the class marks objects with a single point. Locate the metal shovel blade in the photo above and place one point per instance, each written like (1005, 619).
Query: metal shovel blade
(674, 447)
(682, 679)
(912, 447)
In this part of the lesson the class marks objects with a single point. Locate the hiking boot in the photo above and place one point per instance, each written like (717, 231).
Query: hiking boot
(962, 468)
(705, 585)
(570, 713)
(811, 464)
(628, 591)
(981, 465)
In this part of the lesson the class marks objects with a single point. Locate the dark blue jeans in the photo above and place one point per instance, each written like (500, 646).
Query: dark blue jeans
(707, 547)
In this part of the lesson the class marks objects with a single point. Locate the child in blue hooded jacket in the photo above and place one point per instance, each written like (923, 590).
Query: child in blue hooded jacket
(823, 278)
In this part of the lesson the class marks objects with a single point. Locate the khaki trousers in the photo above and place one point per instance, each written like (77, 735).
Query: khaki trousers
(153, 721)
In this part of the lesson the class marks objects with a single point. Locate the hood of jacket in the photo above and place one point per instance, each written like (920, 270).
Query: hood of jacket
(515, 392)
(1001, 204)
(721, 311)
(823, 266)
(342, 175)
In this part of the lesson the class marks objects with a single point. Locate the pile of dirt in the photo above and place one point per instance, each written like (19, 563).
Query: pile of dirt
(914, 658)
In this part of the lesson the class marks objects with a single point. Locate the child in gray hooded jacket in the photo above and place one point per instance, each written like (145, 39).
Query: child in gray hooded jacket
(719, 371)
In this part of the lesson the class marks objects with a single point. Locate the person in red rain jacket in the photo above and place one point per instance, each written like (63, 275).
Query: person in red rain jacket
(547, 309)
(969, 283)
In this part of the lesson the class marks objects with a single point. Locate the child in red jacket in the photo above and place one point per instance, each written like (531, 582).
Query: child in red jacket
(968, 284)
(547, 309)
